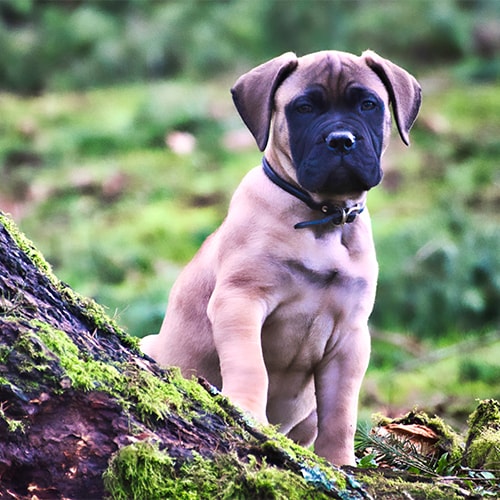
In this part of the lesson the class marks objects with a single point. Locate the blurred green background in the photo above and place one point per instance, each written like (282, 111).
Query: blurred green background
(120, 148)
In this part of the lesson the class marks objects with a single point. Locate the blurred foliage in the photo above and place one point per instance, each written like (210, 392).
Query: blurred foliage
(440, 270)
(443, 276)
(445, 376)
(63, 44)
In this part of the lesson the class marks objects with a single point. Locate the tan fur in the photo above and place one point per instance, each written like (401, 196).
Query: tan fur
(277, 317)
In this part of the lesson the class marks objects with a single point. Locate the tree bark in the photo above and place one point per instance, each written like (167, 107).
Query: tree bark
(84, 415)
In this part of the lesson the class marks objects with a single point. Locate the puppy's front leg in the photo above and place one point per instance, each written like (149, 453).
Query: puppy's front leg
(338, 382)
(236, 323)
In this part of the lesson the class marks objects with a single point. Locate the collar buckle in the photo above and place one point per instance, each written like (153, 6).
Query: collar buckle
(349, 214)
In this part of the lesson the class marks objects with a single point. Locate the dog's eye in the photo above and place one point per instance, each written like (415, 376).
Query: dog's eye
(368, 105)
(304, 108)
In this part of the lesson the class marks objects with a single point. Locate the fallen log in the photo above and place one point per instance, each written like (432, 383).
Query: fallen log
(85, 415)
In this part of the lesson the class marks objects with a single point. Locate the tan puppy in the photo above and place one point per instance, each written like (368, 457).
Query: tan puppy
(274, 307)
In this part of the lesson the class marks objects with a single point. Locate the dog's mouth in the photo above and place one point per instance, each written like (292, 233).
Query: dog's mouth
(338, 176)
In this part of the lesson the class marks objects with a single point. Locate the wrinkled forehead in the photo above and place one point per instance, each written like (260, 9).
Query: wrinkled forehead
(334, 71)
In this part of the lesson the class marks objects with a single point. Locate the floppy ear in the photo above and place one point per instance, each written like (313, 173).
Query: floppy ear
(404, 91)
(254, 91)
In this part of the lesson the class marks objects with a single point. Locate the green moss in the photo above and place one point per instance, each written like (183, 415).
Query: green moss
(484, 451)
(27, 247)
(380, 486)
(147, 394)
(83, 373)
(133, 387)
(37, 358)
(142, 470)
(213, 403)
(43, 348)
(13, 425)
(487, 414)
(5, 351)
(483, 439)
(153, 396)
(262, 481)
(315, 470)
(137, 471)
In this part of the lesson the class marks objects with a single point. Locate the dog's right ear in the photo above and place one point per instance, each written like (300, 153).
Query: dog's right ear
(404, 91)
(253, 94)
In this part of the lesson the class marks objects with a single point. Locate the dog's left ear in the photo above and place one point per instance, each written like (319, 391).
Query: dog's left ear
(404, 91)
(253, 94)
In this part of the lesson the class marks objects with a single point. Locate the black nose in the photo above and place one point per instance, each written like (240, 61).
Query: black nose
(341, 141)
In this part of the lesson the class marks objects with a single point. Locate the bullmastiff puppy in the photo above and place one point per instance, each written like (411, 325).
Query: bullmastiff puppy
(273, 309)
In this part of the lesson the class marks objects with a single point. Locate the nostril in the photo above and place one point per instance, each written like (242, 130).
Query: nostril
(342, 141)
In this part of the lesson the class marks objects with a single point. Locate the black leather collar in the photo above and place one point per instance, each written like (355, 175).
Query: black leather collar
(335, 214)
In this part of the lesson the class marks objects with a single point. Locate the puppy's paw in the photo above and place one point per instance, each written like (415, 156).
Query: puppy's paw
(254, 420)
(147, 343)
(250, 409)
(337, 456)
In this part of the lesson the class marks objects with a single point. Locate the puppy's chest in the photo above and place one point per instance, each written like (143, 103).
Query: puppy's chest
(312, 292)
(313, 279)
(324, 270)
(318, 303)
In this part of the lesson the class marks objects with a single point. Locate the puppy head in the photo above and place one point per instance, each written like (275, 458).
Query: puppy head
(324, 118)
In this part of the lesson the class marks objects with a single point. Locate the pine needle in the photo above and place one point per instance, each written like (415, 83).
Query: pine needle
(394, 451)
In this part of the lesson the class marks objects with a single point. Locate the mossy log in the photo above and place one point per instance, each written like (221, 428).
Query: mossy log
(84, 415)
